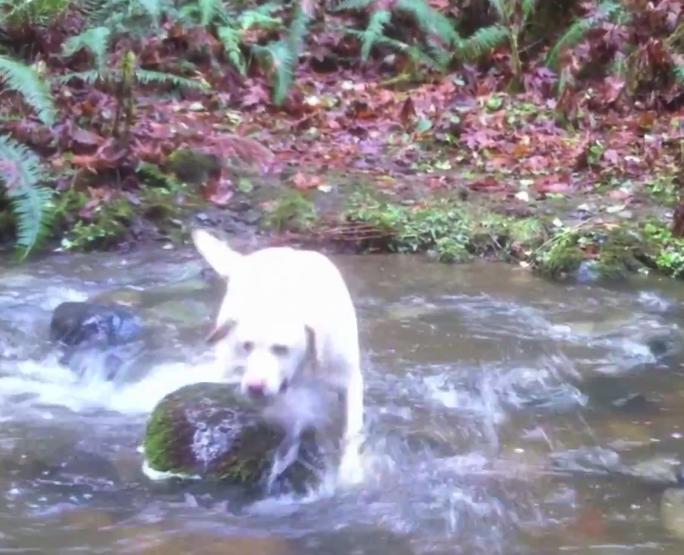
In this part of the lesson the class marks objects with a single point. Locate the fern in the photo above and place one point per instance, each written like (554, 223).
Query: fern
(231, 39)
(483, 41)
(211, 10)
(89, 77)
(283, 54)
(528, 8)
(95, 40)
(21, 172)
(260, 17)
(414, 52)
(374, 31)
(153, 8)
(579, 29)
(356, 5)
(31, 86)
(146, 76)
(430, 20)
(126, 15)
(678, 71)
(283, 60)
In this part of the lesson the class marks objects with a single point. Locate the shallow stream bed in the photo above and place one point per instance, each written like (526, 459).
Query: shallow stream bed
(505, 414)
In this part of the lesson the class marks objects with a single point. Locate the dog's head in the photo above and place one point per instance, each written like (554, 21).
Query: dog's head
(267, 350)
(267, 354)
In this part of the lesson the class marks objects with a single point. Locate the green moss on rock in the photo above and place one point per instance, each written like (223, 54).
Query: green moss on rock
(210, 430)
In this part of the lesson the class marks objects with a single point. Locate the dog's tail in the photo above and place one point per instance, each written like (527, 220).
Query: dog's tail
(216, 252)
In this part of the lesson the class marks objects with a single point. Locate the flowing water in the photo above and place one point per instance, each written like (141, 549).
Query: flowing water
(499, 408)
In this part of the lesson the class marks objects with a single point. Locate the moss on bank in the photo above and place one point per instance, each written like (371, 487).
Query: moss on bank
(455, 230)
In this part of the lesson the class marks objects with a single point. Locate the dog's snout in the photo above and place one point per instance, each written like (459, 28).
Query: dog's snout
(256, 389)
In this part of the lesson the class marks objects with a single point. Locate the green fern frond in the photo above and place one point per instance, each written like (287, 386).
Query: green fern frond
(95, 39)
(374, 31)
(528, 8)
(34, 89)
(678, 71)
(88, 77)
(282, 59)
(483, 42)
(430, 20)
(415, 53)
(579, 29)
(211, 10)
(153, 8)
(230, 39)
(260, 17)
(298, 27)
(353, 5)
(22, 173)
(100, 11)
(146, 76)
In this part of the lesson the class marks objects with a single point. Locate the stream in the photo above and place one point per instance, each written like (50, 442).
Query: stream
(505, 414)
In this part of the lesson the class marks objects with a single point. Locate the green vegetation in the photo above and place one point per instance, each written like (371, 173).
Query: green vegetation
(118, 115)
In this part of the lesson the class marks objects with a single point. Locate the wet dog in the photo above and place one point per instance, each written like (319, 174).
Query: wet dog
(287, 318)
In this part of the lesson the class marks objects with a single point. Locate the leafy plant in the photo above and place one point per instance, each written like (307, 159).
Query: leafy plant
(440, 37)
(122, 79)
(22, 174)
(29, 13)
(30, 86)
(440, 227)
(231, 25)
(21, 171)
(606, 10)
(281, 56)
(514, 16)
(292, 210)
(127, 16)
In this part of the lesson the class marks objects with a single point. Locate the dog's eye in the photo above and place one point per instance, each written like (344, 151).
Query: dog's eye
(247, 346)
(280, 350)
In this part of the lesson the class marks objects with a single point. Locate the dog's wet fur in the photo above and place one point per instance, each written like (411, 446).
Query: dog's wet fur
(286, 321)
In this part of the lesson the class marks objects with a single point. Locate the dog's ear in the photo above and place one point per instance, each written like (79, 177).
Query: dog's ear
(217, 253)
(220, 331)
(313, 348)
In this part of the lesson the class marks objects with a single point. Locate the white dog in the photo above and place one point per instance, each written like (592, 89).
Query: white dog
(287, 317)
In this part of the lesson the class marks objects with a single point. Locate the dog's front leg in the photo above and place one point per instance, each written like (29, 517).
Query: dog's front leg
(351, 471)
(284, 457)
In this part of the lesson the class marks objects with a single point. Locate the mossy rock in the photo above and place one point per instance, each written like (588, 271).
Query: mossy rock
(212, 431)
(193, 166)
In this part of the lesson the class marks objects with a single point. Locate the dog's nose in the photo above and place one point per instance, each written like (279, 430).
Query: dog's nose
(256, 389)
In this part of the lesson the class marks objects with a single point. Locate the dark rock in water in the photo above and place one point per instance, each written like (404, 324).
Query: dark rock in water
(212, 431)
(74, 323)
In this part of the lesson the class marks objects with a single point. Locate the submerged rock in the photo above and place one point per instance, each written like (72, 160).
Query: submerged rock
(212, 431)
(75, 323)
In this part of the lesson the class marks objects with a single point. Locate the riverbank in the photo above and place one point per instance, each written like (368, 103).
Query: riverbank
(361, 168)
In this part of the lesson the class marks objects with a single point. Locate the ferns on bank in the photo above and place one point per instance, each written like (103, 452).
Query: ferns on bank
(26, 81)
(483, 41)
(440, 36)
(95, 40)
(374, 32)
(607, 9)
(132, 16)
(21, 173)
